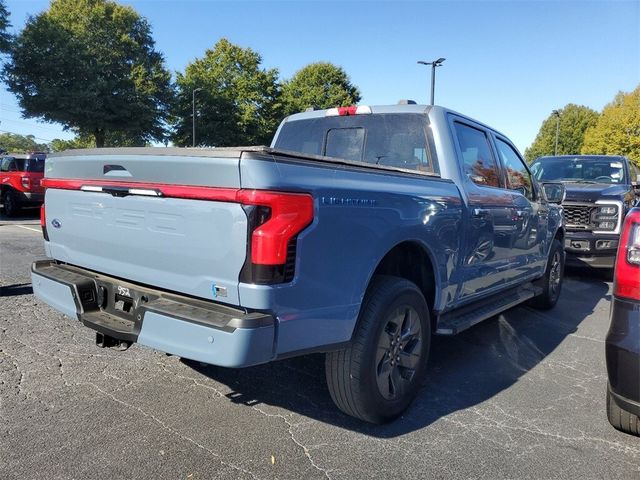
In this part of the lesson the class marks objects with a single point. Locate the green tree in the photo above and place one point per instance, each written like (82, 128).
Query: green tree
(5, 37)
(91, 65)
(14, 143)
(574, 121)
(318, 85)
(236, 101)
(617, 131)
(112, 139)
(58, 145)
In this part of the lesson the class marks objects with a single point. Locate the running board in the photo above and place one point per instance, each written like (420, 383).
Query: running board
(458, 320)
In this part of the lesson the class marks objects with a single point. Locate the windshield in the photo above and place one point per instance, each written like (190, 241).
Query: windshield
(580, 169)
(392, 139)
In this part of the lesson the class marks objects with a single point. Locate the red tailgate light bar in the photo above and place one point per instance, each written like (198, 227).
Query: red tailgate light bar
(280, 217)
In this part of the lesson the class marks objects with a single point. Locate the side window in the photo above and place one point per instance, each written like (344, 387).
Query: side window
(4, 166)
(518, 177)
(13, 165)
(478, 162)
(635, 171)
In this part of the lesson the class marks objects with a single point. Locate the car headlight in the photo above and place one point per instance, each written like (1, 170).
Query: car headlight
(607, 210)
(605, 217)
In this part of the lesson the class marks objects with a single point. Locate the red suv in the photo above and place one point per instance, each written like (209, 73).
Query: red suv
(20, 176)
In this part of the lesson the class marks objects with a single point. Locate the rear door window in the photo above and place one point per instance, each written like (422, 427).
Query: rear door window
(16, 165)
(478, 161)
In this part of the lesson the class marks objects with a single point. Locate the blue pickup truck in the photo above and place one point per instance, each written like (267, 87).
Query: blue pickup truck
(361, 232)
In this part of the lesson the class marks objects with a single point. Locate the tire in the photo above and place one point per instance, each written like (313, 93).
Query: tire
(10, 203)
(366, 380)
(619, 418)
(551, 282)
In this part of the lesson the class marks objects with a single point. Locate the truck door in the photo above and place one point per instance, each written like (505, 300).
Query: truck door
(532, 214)
(487, 259)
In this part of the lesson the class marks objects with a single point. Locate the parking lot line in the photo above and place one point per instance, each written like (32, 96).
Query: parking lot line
(28, 228)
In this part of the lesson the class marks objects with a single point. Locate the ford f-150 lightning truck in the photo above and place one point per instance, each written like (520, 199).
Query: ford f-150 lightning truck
(361, 232)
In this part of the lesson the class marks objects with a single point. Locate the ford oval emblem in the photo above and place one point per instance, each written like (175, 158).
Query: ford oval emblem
(56, 223)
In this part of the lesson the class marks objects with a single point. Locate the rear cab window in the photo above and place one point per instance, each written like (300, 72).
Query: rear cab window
(389, 139)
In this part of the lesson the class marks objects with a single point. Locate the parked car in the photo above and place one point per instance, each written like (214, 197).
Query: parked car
(623, 338)
(600, 191)
(361, 233)
(20, 176)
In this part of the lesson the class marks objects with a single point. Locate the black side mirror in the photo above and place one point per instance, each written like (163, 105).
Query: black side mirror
(554, 192)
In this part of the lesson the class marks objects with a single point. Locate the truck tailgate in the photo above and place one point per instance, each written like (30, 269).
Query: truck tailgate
(191, 246)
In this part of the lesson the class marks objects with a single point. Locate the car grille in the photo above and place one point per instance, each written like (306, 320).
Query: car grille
(578, 216)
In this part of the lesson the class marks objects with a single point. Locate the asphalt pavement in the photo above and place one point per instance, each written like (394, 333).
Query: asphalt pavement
(519, 396)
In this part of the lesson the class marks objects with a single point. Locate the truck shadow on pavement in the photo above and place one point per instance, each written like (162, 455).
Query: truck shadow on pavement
(464, 370)
(29, 215)
(16, 289)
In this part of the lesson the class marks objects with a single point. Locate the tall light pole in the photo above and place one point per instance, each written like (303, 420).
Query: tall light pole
(557, 114)
(193, 118)
(434, 64)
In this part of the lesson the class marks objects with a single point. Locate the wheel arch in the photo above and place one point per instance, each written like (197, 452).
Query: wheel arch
(414, 262)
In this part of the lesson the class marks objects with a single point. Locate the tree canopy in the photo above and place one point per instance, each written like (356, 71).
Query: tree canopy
(5, 37)
(574, 121)
(13, 142)
(91, 66)
(318, 85)
(617, 131)
(236, 99)
(58, 145)
(112, 139)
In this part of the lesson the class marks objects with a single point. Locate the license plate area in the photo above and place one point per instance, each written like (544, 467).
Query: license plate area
(121, 300)
(123, 304)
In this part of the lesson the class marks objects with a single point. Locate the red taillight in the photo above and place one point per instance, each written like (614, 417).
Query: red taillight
(43, 222)
(627, 275)
(289, 214)
(26, 182)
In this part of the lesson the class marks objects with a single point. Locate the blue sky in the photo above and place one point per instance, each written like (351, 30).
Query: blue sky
(508, 63)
